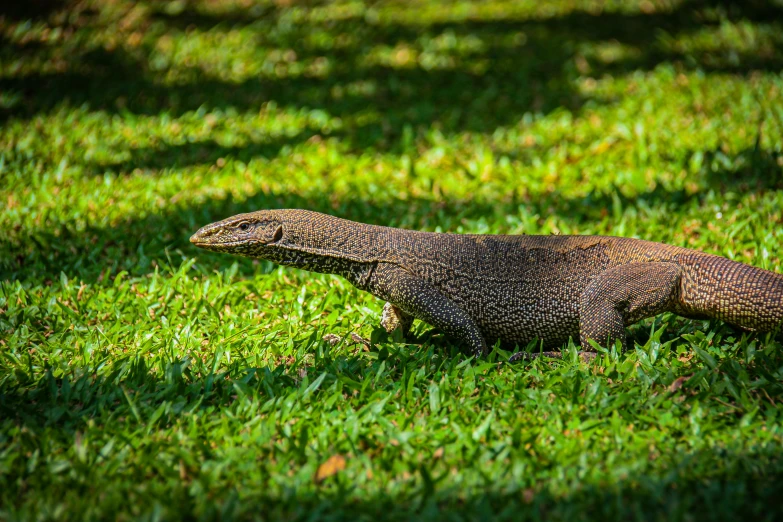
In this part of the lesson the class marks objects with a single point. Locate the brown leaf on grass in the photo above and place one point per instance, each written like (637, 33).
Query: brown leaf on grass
(677, 384)
(332, 466)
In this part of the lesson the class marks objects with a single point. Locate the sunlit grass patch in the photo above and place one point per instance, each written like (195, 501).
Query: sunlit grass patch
(141, 378)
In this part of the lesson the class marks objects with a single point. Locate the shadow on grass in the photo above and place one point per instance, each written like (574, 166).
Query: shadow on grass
(677, 495)
(198, 153)
(751, 170)
(715, 483)
(31, 9)
(726, 492)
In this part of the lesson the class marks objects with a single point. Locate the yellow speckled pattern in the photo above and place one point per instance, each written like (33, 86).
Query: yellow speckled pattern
(484, 288)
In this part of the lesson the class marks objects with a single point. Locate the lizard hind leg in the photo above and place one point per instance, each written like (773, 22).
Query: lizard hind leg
(624, 295)
(393, 318)
(529, 356)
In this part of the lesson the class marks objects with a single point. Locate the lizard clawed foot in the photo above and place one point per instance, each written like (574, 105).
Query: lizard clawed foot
(393, 318)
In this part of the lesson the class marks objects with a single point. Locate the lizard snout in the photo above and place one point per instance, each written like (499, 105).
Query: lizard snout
(202, 235)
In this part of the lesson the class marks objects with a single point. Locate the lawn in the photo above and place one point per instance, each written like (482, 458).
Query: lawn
(141, 378)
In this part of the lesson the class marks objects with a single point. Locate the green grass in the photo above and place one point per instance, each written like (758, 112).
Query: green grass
(141, 378)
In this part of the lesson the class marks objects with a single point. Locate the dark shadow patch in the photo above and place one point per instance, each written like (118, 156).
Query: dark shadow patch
(31, 9)
(725, 481)
(198, 153)
(751, 170)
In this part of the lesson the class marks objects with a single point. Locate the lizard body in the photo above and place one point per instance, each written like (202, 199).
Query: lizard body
(484, 288)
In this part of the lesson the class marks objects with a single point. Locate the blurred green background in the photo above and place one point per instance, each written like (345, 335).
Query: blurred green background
(143, 379)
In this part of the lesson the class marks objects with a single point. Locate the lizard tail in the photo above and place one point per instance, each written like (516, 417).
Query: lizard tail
(740, 294)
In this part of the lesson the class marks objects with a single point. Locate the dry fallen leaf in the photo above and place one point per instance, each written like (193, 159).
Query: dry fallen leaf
(333, 465)
(677, 384)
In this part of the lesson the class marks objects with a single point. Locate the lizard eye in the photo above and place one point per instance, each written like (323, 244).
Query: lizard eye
(244, 227)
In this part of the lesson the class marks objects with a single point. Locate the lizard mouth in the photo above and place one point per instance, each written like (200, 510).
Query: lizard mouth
(211, 238)
(205, 243)
(208, 239)
(214, 245)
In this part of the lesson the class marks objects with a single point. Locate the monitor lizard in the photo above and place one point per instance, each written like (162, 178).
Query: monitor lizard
(513, 288)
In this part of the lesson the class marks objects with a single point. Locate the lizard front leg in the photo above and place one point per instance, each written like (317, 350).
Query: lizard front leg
(420, 299)
(623, 295)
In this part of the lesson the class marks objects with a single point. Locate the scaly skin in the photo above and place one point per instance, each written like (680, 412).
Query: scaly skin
(484, 288)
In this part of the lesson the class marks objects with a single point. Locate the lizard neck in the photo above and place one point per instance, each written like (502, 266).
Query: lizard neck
(326, 244)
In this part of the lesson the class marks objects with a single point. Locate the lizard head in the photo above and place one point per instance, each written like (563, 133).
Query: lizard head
(253, 235)
(291, 237)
